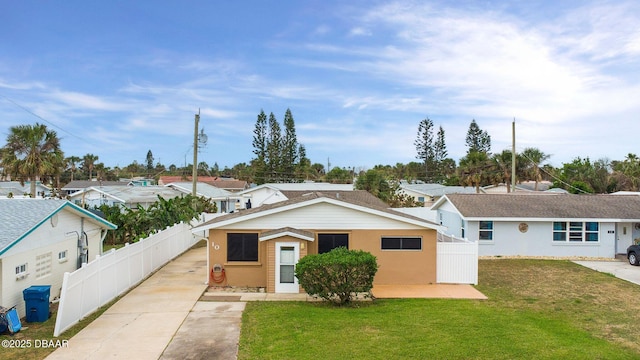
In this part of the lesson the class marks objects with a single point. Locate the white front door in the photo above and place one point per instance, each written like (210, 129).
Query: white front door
(624, 237)
(287, 256)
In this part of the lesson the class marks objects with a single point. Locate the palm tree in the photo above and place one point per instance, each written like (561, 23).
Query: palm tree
(31, 152)
(72, 162)
(535, 158)
(88, 162)
(476, 169)
(503, 162)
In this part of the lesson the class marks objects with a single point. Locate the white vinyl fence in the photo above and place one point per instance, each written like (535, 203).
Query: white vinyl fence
(457, 260)
(113, 273)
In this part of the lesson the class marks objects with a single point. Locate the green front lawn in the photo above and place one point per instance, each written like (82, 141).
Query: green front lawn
(536, 310)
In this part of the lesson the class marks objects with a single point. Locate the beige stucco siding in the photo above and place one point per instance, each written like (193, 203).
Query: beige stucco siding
(402, 267)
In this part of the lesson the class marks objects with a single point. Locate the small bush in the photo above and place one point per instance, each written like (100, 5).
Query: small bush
(337, 276)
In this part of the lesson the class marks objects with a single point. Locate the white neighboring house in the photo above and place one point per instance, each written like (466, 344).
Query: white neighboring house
(224, 199)
(40, 240)
(276, 192)
(16, 190)
(430, 193)
(563, 225)
(125, 196)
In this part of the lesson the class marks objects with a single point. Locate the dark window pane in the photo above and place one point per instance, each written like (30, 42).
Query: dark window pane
(591, 226)
(486, 225)
(560, 226)
(242, 247)
(412, 243)
(559, 236)
(486, 235)
(328, 242)
(592, 237)
(391, 243)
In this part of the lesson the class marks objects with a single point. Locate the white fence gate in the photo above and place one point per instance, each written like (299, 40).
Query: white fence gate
(113, 273)
(457, 260)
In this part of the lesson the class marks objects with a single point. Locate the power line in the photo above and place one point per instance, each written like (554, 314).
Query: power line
(43, 119)
(552, 175)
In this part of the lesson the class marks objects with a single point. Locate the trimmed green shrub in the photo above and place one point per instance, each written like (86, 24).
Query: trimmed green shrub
(338, 275)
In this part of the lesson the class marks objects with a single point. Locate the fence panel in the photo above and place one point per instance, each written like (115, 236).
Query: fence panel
(110, 275)
(457, 261)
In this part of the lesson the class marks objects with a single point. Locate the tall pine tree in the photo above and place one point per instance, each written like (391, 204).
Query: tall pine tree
(289, 147)
(274, 151)
(439, 155)
(260, 148)
(425, 148)
(477, 139)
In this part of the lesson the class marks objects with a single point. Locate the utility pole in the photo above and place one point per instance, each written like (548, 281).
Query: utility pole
(513, 155)
(195, 159)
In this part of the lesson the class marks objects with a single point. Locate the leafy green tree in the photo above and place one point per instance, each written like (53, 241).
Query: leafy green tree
(149, 160)
(303, 168)
(31, 152)
(375, 182)
(338, 275)
(259, 164)
(339, 176)
(477, 139)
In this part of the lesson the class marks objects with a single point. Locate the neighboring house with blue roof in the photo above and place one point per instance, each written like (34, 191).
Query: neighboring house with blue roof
(40, 240)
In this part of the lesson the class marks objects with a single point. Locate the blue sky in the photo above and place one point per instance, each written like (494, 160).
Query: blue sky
(119, 78)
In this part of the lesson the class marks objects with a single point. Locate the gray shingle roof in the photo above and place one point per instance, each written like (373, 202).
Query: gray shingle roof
(438, 190)
(560, 206)
(20, 216)
(363, 198)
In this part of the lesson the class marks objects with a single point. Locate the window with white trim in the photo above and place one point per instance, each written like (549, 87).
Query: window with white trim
(62, 256)
(576, 231)
(486, 231)
(21, 271)
(401, 243)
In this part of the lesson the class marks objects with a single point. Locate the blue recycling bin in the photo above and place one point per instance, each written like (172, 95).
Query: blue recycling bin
(36, 298)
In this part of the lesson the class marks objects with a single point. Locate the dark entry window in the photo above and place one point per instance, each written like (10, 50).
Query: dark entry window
(328, 242)
(242, 247)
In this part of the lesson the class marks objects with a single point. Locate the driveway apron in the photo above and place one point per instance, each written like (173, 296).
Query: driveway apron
(144, 321)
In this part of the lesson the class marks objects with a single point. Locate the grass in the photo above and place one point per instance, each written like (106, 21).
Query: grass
(537, 309)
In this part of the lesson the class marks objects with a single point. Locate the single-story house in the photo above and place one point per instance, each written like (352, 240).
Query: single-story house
(40, 240)
(225, 200)
(229, 184)
(259, 247)
(563, 225)
(79, 185)
(276, 192)
(13, 189)
(125, 196)
(430, 193)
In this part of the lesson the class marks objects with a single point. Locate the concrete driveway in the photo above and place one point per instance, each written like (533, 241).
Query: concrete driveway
(162, 319)
(618, 268)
